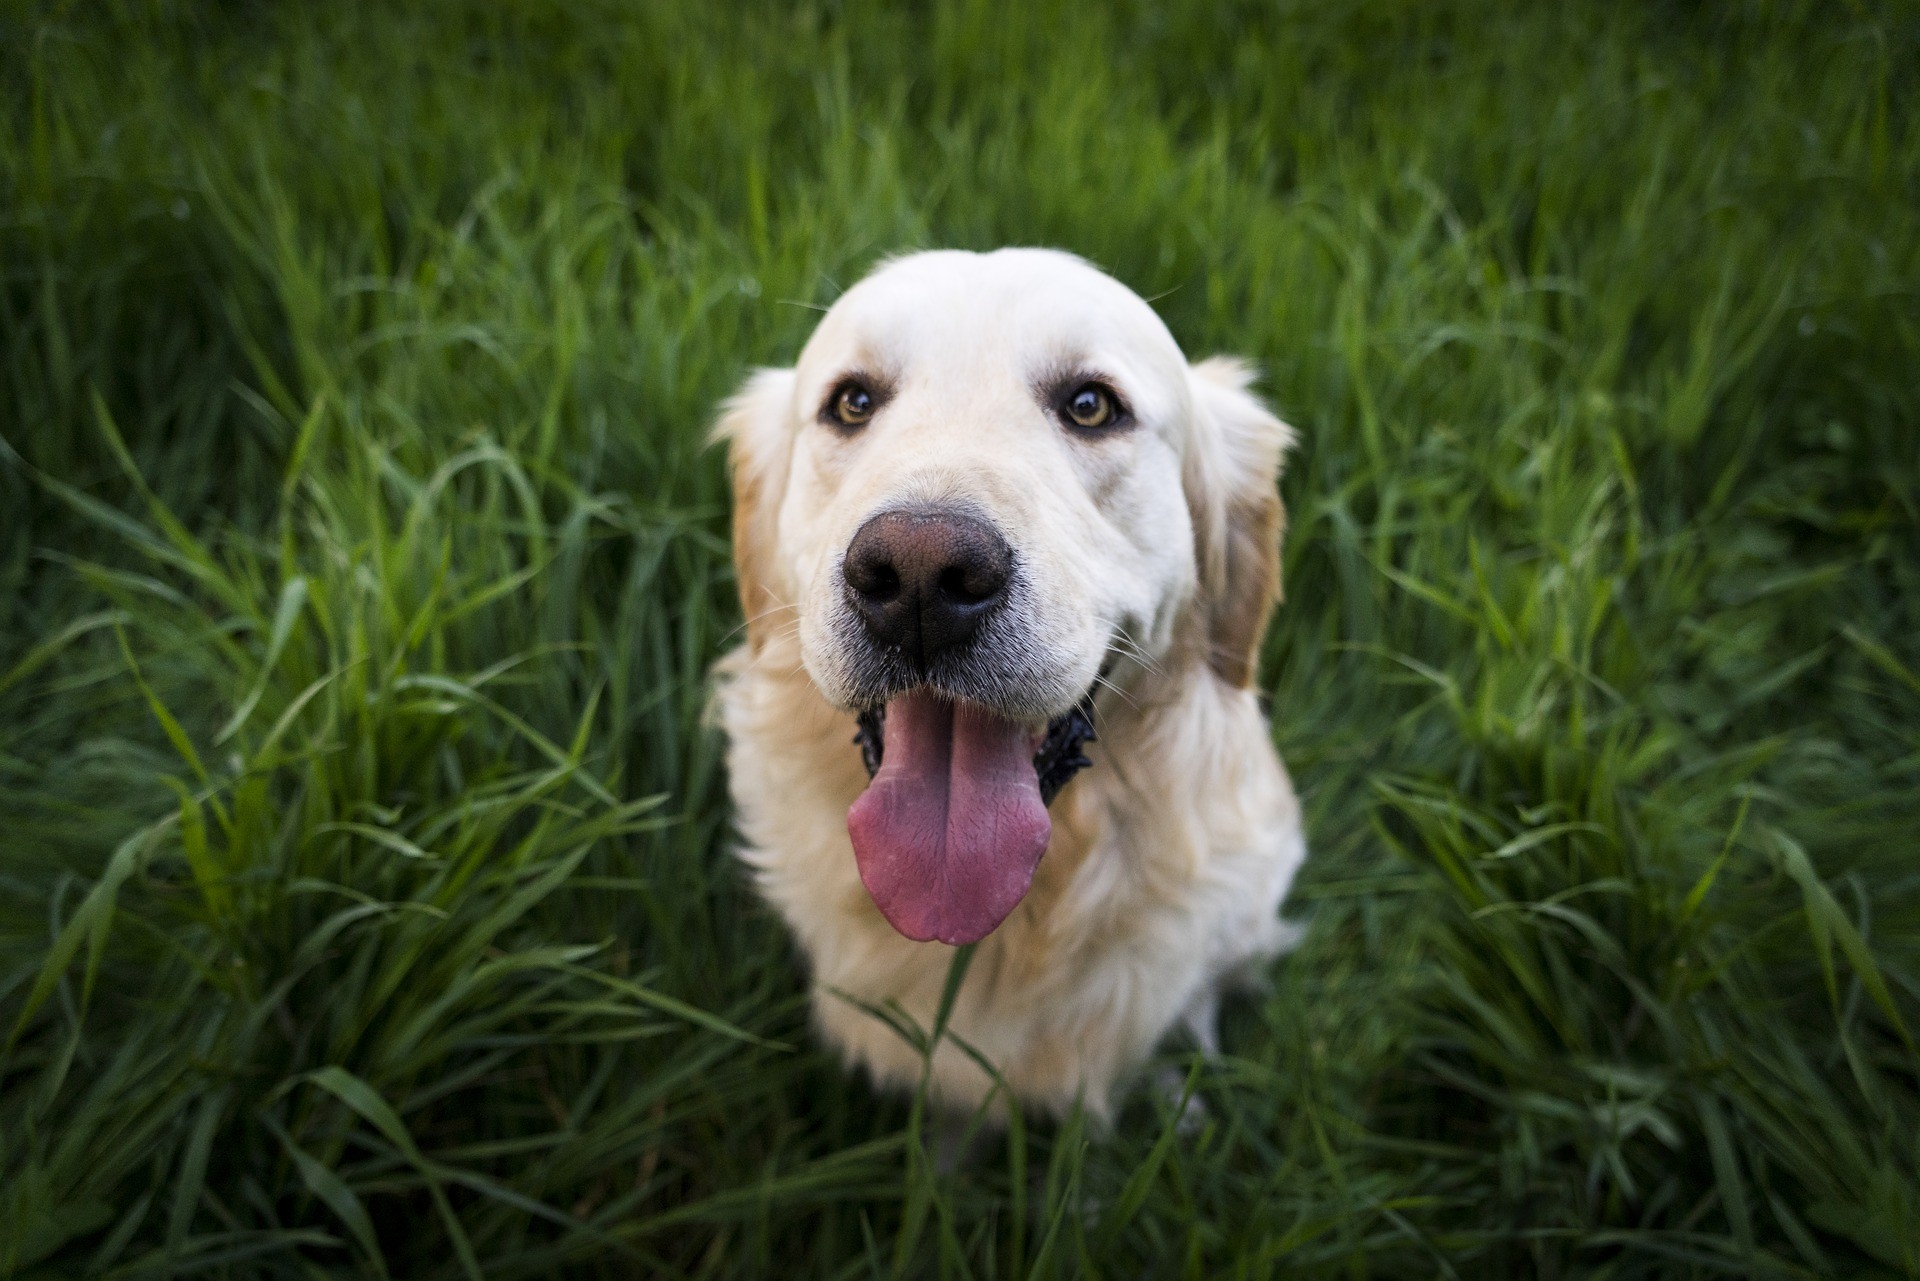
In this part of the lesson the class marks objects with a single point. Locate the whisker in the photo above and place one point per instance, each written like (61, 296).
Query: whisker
(1121, 694)
(1132, 649)
(740, 627)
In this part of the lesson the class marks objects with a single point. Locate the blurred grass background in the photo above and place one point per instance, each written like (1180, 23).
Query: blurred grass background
(365, 904)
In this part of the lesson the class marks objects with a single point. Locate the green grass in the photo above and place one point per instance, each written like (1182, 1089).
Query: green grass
(365, 903)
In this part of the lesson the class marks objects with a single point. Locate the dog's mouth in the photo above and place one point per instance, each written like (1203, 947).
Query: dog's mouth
(952, 826)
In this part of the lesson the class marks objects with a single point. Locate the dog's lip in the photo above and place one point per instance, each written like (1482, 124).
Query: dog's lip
(864, 701)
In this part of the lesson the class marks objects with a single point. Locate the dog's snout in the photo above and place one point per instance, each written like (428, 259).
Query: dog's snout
(924, 581)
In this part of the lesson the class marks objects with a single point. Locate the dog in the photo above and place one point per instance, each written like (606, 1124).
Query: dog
(998, 545)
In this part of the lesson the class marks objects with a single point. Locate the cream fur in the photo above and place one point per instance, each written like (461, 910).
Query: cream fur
(1158, 547)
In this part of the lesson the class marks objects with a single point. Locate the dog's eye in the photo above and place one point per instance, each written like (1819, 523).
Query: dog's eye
(853, 405)
(1090, 406)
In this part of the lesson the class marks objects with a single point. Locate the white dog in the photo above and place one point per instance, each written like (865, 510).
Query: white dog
(990, 511)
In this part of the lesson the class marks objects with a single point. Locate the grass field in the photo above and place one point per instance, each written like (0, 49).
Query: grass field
(365, 902)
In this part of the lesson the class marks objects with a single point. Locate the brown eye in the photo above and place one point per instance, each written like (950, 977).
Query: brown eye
(852, 405)
(1090, 406)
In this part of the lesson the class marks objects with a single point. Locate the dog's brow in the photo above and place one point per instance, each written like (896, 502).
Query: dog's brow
(1057, 375)
(870, 359)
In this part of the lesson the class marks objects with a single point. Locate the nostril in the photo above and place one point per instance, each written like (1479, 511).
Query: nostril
(876, 580)
(968, 584)
(883, 584)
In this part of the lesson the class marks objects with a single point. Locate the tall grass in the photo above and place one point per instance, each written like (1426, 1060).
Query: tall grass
(365, 903)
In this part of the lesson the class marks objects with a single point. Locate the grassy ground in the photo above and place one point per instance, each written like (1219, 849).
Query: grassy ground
(364, 898)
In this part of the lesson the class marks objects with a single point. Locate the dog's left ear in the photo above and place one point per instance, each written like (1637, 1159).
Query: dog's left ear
(759, 451)
(1232, 464)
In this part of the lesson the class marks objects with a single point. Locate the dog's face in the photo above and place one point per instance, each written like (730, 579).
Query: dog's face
(988, 480)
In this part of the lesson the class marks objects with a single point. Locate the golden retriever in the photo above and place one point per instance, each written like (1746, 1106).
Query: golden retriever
(1006, 559)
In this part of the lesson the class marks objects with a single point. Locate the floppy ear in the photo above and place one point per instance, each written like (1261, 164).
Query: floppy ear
(1233, 460)
(759, 449)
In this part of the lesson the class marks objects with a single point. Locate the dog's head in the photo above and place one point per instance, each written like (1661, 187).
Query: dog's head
(990, 479)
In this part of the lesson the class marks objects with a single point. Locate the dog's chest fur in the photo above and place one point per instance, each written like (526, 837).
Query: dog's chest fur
(1162, 881)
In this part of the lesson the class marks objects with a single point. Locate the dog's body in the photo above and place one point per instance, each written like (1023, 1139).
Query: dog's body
(1084, 512)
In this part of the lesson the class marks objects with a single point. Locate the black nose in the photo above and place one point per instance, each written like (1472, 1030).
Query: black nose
(923, 581)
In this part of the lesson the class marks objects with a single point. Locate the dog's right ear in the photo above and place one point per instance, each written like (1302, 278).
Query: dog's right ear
(754, 423)
(1232, 463)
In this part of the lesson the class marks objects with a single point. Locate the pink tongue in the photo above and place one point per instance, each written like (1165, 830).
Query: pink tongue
(948, 833)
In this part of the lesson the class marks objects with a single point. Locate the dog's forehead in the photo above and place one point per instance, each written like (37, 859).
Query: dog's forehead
(1017, 308)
